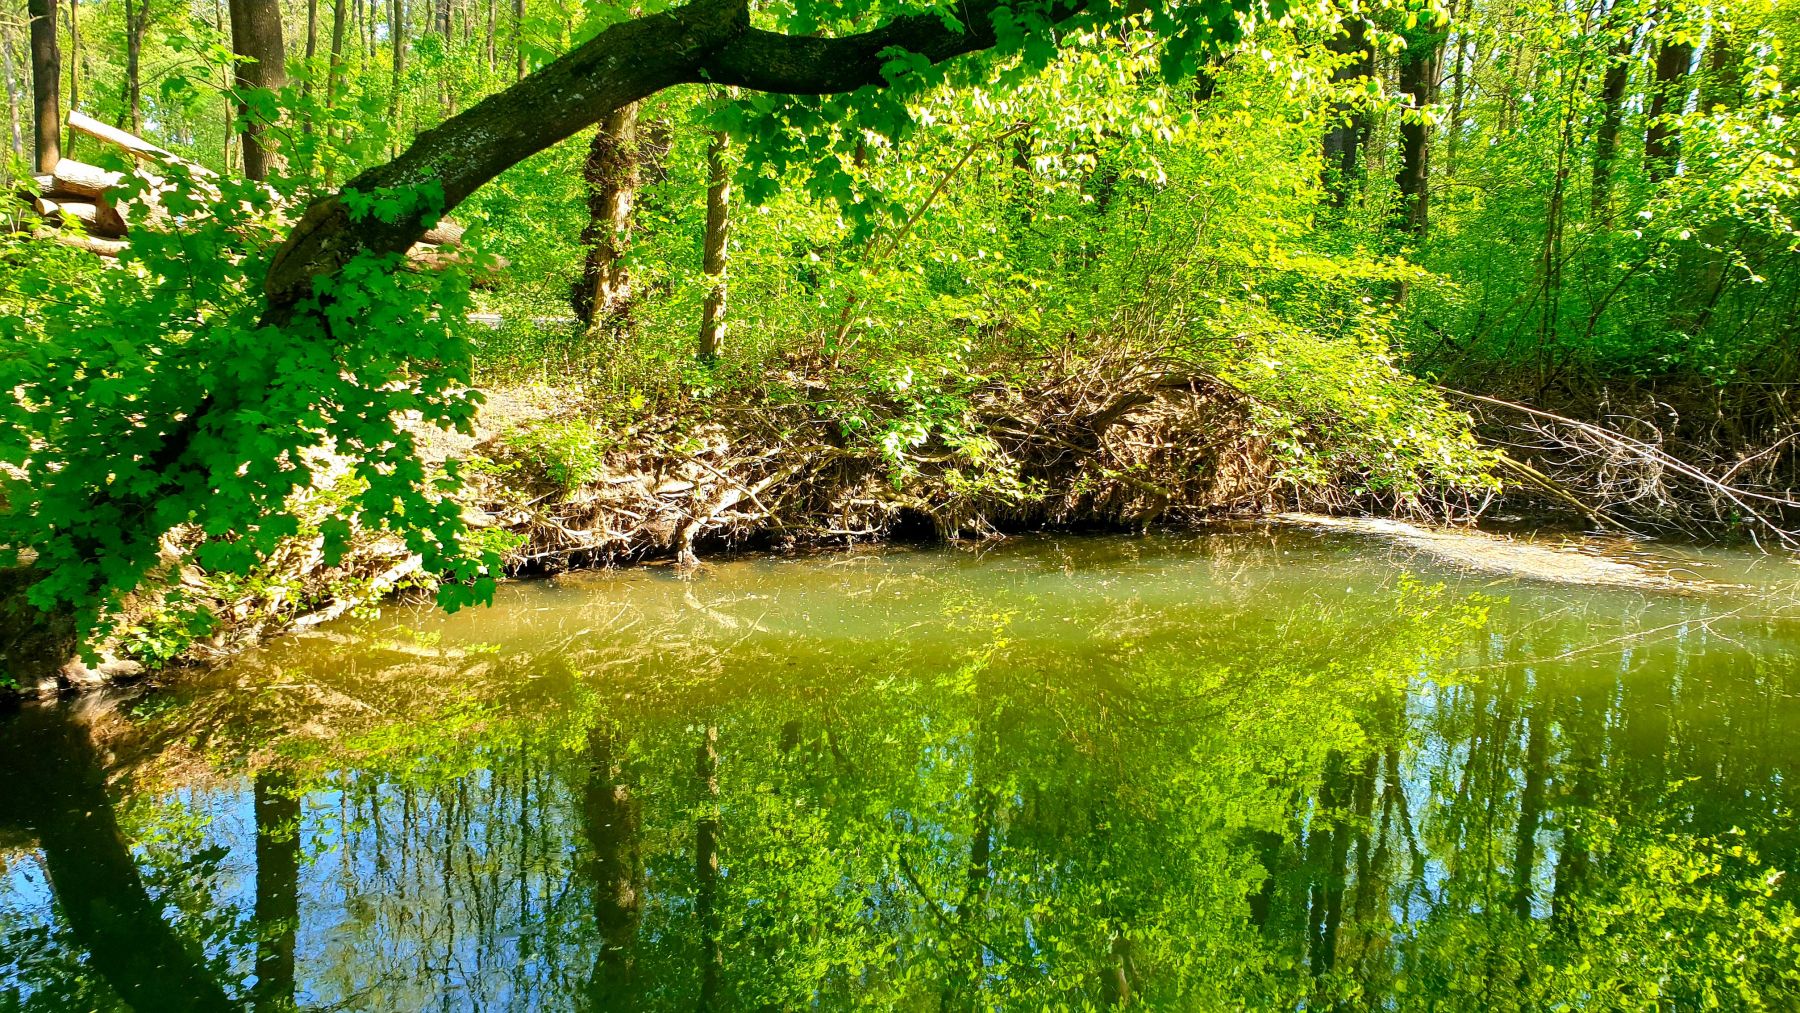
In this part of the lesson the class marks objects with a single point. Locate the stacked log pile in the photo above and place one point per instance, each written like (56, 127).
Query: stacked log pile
(93, 199)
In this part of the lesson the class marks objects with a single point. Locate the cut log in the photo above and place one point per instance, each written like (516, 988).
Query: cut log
(83, 179)
(136, 146)
(432, 257)
(93, 244)
(99, 217)
(444, 233)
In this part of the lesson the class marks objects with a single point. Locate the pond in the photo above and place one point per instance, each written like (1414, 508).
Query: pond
(1259, 768)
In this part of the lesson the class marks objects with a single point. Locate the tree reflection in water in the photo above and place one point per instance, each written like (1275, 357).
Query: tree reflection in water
(1187, 800)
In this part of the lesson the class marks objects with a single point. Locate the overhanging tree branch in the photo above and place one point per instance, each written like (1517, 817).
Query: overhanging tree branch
(705, 41)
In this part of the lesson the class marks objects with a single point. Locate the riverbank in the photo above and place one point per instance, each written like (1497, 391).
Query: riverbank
(557, 478)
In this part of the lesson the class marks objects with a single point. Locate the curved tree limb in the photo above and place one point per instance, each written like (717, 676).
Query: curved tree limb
(704, 41)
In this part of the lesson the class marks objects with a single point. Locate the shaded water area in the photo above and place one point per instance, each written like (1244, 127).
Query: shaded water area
(1263, 769)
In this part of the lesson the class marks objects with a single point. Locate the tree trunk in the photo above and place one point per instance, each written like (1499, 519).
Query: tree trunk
(1531, 812)
(256, 34)
(603, 296)
(46, 78)
(1606, 136)
(312, 52)
(55, 785)
(610, 815)
(714, 256)
(1350, 124)
(490, 37)
(706, 868)
(9, 66)
(74, 70)
(1662, 139)
(335, 70)
(225, 88)
(277, 809)
(1418, 81)
(135, 23)
(519, 38)
(397, 36)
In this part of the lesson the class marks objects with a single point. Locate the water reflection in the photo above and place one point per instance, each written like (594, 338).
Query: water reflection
(1237, 772)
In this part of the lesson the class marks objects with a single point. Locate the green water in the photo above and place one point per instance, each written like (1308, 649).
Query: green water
(1246, 770)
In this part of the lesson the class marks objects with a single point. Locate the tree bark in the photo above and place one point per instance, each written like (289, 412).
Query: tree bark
(46, 83)
(335, 70)
(519, 39)
(714, 258)
(1418, 81)
(74, 69)
(1350, 123)
(603, 296)
(1662, 139)
(1606, 136)
(256, 35)
(9, 67)
(225, 89)
(397, 36)
(490, 37)
(136, 21)
(312, 52)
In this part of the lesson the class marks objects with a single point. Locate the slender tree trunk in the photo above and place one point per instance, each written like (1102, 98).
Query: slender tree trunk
(225, 89)
(8, 67)
(74, 71)
(706, 868)
(136, 21)
(1531, 812)
(610, 814)
(312, 51)
(714, 258)
(335, 70)
(397, 36)
(490, 37)
(1418, 81)
(1343, 142)
(603, 296)
(277, 808)
(1662, 139)
(519, 38)
(46, 78)
(1606, 136)
(1459, 96)
(446, 81)
(256, 34)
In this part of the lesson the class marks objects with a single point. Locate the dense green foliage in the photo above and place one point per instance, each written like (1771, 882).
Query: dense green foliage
(1154, 183)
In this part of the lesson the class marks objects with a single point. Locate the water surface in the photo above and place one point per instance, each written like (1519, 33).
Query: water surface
(1263, 769)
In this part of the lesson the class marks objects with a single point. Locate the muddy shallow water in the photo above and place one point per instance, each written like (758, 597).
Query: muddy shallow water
(1268, 768)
